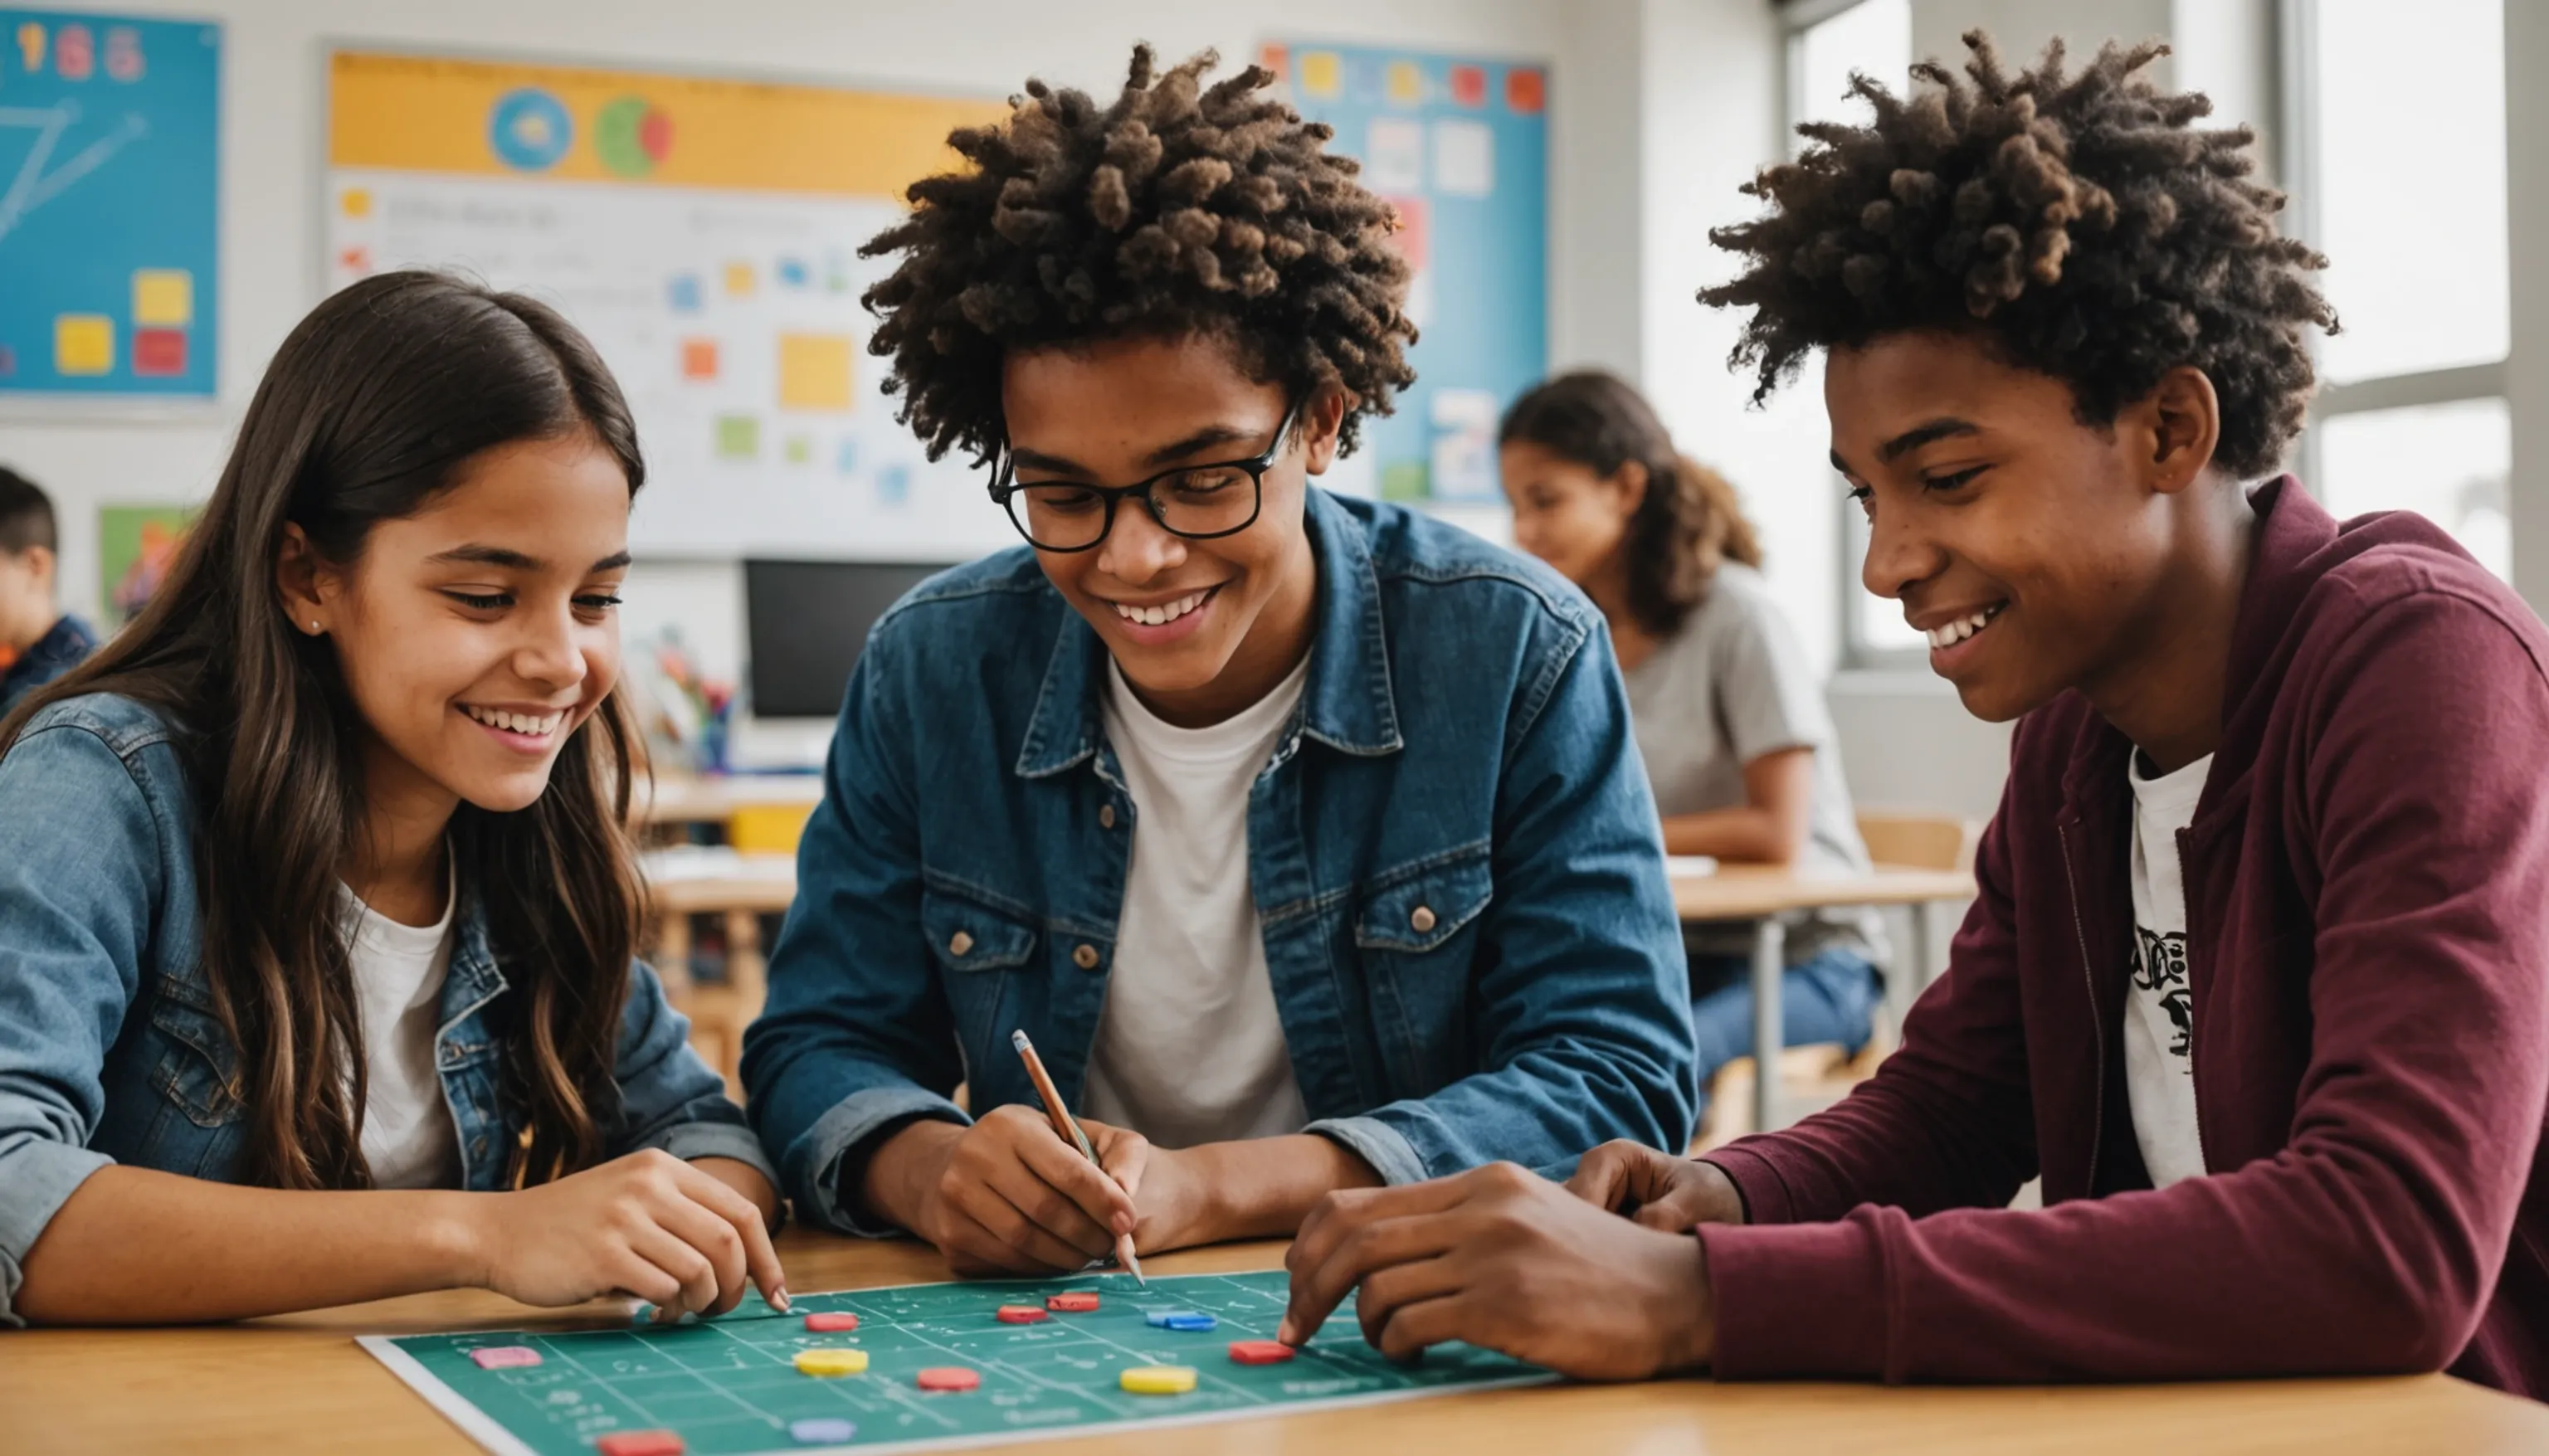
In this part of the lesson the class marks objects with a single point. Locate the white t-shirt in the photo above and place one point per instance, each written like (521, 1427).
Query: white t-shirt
(1189, 1048)
(2159, 1015)
(409, 1138)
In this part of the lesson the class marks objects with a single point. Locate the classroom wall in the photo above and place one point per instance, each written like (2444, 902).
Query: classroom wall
(272, 155)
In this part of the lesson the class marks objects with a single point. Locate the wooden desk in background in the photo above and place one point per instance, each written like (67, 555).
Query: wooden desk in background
(301, 1385)
(1762, 894)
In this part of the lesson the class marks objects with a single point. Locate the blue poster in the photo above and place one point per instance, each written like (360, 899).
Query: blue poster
(1461, 147)
(110, 186)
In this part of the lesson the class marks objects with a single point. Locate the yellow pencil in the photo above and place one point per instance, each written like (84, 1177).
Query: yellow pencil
(1068, 1128)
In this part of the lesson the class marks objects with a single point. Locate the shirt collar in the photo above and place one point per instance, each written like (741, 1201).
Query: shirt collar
(1348, 704)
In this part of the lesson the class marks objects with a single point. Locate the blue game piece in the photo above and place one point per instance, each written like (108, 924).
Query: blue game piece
(822, 1430)
(1185, 1319)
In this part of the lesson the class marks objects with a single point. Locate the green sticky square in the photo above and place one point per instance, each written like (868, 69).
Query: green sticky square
(738, 437)
(799, 449)
(1406, 480)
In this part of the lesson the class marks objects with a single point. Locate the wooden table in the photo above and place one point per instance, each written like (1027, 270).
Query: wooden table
(1762, 893)
(301, 1385)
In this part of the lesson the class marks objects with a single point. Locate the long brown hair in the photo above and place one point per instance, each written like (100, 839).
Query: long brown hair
(1687, 523)
(371, 407)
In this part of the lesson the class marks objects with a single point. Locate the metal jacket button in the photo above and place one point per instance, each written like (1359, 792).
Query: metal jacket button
(958, 943)
(1085, 957)
(1421, 918)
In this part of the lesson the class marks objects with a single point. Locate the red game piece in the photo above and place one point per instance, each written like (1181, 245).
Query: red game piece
(1020, 1315)
(947, 1377)
(640, 1444)
(831, 1323)
(1260, 1352)
(1076, 1302)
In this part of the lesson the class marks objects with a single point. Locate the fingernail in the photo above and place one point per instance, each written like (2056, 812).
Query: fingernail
(1284, 1332)
(778, 1299)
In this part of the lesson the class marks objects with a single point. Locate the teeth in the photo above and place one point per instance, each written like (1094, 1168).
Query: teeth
(1160, 616)
(1962, 629)
(526, 724)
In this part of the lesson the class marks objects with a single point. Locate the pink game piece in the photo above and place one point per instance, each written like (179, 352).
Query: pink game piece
(831, 1323)
(640, 1444)
(1260, 1352)
(506, 1357)
(948, 1378)
(1020, 1315)
(1076, 1302)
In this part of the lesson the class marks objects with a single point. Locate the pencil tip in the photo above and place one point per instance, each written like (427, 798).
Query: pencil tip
(1018, 1039)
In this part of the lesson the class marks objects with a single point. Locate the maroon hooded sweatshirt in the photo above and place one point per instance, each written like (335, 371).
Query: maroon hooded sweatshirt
(2367, 882)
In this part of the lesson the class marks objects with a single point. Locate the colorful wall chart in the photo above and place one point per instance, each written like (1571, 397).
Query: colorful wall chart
(1461, 147)
(136, 546)
(704, 232)
(110, 185)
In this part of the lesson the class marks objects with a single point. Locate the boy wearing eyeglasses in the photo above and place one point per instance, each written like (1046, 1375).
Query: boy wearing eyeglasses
(1303, 835)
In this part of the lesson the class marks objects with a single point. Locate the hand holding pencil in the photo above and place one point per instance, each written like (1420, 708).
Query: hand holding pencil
(1069, 1128)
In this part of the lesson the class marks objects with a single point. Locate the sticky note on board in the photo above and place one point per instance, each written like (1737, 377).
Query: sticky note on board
(1394, 154)
(83, 344)
(1320, 72)
(1468, 86)
(158, 352)
(699, 358)
(739, 280)
(738, 437)
(1414, 236)
(1405, 83)
(1465, 158)
(814, 372)
(1526, 90)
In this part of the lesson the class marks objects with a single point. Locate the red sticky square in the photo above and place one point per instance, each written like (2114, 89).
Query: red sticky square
(1469, 85)
(699, 358)
(1414, 238)
(1276, 58)
(159, 351)
(1526, 89)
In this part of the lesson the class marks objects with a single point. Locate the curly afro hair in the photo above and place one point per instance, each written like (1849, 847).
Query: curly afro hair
(1178, 209)
(2079, 224)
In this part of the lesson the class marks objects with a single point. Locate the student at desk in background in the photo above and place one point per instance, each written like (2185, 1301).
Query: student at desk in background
(1303, 835)
(1730, 719)
(38, 642)
(317, 906)
(2258, 979)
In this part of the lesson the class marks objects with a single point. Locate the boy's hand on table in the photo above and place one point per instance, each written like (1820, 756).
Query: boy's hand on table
(1007, 1195)
(648, 1225)
(1502, 1258)
(1656, 1189)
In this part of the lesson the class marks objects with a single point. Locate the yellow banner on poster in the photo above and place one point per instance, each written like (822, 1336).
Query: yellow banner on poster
(481, 118)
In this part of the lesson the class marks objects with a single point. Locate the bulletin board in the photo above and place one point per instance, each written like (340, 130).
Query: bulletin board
(704, 232)
(1461, 147)
(110, 206)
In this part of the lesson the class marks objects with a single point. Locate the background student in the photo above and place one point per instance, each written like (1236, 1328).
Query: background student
(1730, 719)
(1301, 835)
(316, 905)
(2256, 981)
(38, 642)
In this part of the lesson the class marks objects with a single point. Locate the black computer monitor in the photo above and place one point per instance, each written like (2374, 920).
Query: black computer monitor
(806, 620)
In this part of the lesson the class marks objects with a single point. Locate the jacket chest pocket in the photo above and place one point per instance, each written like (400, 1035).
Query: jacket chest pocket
(198, 1067)
(979, 952)
(1416, 932)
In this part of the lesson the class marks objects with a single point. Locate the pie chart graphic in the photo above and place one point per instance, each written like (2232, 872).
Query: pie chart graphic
(530, 129)
(632, 135)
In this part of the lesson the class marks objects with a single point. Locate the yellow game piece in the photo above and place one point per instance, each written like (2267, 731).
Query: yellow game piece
(832, 1362)
(1157, 1379)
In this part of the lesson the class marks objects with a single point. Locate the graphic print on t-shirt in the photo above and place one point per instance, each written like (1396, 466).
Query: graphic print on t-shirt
(2159, 969)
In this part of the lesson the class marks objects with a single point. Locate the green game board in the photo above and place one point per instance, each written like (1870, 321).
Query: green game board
(728, 1386)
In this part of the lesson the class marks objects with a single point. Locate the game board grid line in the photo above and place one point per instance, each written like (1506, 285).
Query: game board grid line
(646, 1418)
(1252, 1396)
(969, 1362)
(838, 1390)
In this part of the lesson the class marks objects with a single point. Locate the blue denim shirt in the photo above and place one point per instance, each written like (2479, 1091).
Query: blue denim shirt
(109, 1048)
(64, 647)
(1461, 748)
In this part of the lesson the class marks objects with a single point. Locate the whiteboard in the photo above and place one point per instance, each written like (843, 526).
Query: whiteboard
(704, 233)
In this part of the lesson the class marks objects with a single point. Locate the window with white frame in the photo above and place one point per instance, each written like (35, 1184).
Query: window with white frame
(2408, 202)
(1827, 43)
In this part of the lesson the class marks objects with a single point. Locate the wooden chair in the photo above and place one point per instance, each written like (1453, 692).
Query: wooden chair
(1817, 1076)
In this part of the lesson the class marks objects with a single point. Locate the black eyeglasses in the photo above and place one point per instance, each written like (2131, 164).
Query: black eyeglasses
(1197, 502)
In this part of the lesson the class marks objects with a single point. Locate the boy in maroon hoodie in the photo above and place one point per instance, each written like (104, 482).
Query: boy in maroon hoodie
(2258, 980)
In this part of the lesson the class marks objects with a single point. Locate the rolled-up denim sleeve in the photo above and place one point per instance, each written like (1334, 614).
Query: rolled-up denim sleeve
(81, 871)
(857, 1038)
(1582, 1001)
(668, 1097)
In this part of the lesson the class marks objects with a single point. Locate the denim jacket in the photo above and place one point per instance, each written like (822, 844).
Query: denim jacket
(64, 647)
(1455, 860)
(109, 1048)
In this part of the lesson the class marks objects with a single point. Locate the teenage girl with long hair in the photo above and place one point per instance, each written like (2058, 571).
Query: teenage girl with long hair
(1729, 717)
(318, 910)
